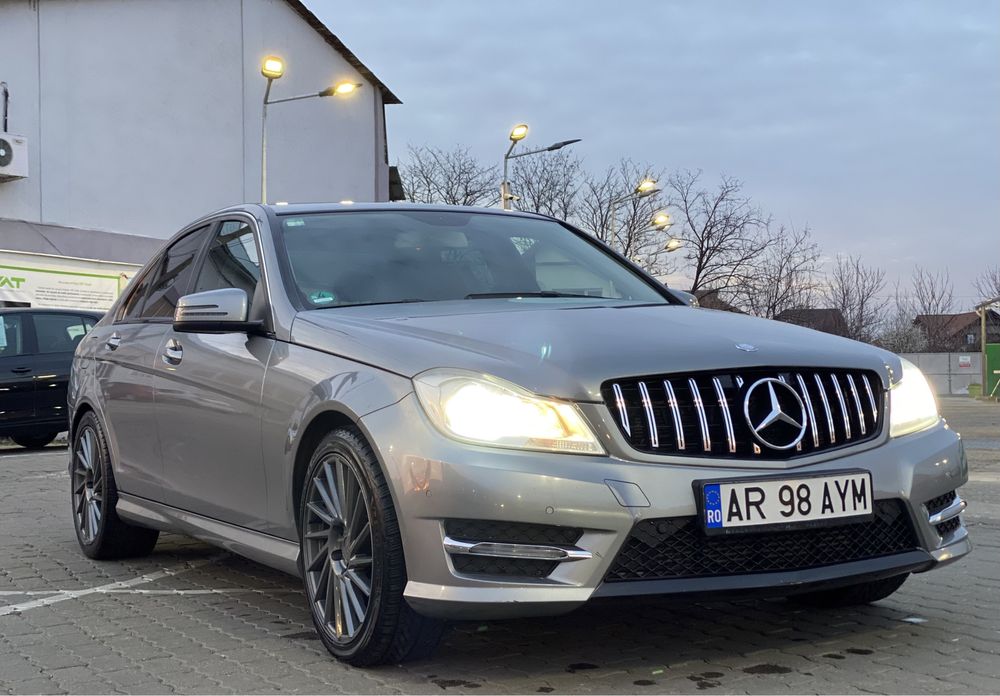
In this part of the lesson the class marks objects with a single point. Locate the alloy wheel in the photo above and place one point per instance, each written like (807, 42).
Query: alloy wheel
(88, 485)
(337, 548)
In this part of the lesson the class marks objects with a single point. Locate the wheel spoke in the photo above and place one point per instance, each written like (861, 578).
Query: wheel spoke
(92, 516)
(345, 477)
(97, 510)
(317, 534)
(361, 561)
(333, 512)
(333, 597)
(334, 494)
(352, 594)
(322, 588)
(345, 605)
(359, 582)
(320, 557)
(357, 507)
(322, 514)
(363, 536)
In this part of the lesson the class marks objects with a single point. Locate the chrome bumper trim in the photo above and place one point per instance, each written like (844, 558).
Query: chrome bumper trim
(953, 510)
(501, 550)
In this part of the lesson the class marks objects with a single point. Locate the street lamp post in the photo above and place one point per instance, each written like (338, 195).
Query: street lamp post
(517, 134)
(646, 187)
(273, 68)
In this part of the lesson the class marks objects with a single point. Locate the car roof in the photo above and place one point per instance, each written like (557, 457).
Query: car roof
(51, 310)
(307, 208)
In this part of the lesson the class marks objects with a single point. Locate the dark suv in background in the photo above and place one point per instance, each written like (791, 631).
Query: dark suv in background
(36, 353)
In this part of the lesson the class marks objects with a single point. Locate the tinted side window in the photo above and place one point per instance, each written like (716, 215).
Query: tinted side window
(231, 261)
(58, 333)
(12, 335)
(132, 309)
(172, 278)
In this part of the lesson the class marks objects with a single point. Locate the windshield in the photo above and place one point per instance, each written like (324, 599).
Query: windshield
(374, 257)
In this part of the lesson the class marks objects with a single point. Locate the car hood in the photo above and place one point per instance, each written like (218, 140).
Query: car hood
(569, 348)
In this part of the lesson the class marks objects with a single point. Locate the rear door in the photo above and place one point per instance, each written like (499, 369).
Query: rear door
(56, 338)
(17, 381)
(126, 360)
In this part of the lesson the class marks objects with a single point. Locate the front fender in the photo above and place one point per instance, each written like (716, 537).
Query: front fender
(302, 385)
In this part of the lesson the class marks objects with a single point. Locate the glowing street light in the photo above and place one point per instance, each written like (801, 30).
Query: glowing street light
(273, 67)
(673, 244)
(662, 220)
(517, 134)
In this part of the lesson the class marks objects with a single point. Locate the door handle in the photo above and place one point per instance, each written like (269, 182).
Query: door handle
(114, 340)
(21, 370)
(173, 353)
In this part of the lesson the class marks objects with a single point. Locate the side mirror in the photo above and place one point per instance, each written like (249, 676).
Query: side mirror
(214, 311)
(685, 297)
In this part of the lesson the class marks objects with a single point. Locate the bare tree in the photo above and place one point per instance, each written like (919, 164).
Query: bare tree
(932, 299)
(547, 183)
(988, 283)
(782, 277)
(451, 177)
(899, 332)
(724, 233)
(605, 210)
(856, 290)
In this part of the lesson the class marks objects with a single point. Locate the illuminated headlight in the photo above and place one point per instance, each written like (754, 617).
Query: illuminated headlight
(486, 410)
(912, 406)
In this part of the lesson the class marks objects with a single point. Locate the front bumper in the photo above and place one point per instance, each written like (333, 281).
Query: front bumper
(435, 479)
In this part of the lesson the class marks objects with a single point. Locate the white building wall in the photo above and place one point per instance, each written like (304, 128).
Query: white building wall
(148, 112)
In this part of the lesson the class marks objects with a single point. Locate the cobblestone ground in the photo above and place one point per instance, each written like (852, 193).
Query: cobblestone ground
(192, 619)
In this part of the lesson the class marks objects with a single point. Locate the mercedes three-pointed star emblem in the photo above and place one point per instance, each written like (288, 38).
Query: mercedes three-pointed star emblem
(785, 408)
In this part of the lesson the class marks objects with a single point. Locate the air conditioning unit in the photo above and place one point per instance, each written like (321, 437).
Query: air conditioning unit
(13, 157)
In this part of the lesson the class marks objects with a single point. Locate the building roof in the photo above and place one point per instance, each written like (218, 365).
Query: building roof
(828, 319)
(709, 299)
(313, 21)
(951, 324)
(76, 242)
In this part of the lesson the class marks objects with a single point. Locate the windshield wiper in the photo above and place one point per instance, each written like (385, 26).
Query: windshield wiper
(371, 304)
(539, 293)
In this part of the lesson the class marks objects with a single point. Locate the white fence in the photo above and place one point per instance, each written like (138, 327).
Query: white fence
(949, 373)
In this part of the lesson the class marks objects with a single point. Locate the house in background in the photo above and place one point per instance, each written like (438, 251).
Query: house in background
(957, 332)
(710, 299)
(828, 320)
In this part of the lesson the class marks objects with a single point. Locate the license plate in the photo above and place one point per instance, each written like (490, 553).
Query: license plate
(743, 505)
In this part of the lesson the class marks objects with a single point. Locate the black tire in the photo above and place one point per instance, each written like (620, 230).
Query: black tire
(101, 533)
(853, 595)
(389, 631)
(33, 442)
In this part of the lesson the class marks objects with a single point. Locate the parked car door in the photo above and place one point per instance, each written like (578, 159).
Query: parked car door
(17, 381)
(208, 395)
(56, 338)
(127, 354)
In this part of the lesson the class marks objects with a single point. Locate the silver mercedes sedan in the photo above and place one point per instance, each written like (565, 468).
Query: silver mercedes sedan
(433, 413)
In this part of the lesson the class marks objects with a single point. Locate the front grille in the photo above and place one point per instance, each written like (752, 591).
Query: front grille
(948, 526)
(488, 565)
(508, 533)
(936, 505)
(702, 414)
(676, 547)
(511, 532)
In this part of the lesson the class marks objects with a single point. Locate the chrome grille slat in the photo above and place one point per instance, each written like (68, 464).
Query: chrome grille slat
(647, 404)
(871, 398)
(703, 414)
(622, 411)
(813, 425)
(857, 404)
(826, 407)
(706, 438)
(675, 410)
(726, 417)
(843, 406)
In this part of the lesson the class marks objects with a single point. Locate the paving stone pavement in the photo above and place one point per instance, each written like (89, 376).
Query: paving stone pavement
(197, 620)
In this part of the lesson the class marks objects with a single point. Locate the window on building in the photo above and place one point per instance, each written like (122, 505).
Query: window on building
(172, 278)
(231, 261)
(970, 339)
(12, 335)
(59, 333)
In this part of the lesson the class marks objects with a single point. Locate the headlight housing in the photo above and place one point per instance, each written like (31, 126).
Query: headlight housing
(912, 405)
(486, 410)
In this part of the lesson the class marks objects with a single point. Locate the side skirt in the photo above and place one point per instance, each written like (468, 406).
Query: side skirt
(280, 554)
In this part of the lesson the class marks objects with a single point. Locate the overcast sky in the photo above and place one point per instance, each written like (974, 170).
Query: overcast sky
(875, 123)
